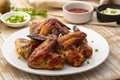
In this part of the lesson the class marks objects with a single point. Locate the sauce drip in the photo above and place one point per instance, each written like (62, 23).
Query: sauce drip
(78, 10)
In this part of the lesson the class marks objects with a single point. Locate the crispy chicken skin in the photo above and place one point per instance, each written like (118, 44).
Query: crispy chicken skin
(51, 61)
(43, 57)
(83, 44)
(86, 48)
(73, 54)
(66, 41)
(25, 47)
(33, 27)
(75, 57)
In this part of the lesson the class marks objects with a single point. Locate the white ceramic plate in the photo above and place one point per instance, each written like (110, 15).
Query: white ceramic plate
(97, 58)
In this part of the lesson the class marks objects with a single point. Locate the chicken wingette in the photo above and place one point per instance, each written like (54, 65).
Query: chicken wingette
(24, 47)
(43, 57)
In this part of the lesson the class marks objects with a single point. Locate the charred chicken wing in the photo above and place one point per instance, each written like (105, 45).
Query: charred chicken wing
(49, 26)
(25, 47)
(43, 57)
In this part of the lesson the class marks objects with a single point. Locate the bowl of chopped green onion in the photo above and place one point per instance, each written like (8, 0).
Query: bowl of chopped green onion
(15, 19)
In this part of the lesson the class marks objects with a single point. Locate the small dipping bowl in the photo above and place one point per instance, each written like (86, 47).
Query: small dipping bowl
(20, 24)
(78, 17)
(105, 17)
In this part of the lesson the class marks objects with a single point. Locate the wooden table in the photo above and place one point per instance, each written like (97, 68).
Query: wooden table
(108, 70)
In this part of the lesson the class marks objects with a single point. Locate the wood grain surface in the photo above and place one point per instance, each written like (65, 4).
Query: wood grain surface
(108, 70)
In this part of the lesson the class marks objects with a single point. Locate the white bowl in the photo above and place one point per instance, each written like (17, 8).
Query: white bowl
(6, 15)
(78, 17)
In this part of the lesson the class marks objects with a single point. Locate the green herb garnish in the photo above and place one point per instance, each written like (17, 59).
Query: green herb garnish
(19, 57)
(96, 50)
(112, 11)
(51, 35)
(32, 30)
(75, 48)
(88, 62)
(104, 11)
(15, 19)
(32, 12)
(92, 41)
(42, 12)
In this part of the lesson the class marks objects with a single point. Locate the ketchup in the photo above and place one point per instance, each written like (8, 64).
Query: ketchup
(78, 10)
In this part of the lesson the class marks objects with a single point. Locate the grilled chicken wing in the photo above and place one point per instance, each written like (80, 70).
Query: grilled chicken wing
(43, 57)
(74, 57)
(33, 27)
(25, 47)
(86, 48)
(66, 41)
(49, 26)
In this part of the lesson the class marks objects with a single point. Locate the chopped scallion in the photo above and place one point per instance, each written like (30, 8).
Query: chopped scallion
(92, 41)
(19, 57)
(88, 62)
(15, 19)
(96, 50)
(32, 12)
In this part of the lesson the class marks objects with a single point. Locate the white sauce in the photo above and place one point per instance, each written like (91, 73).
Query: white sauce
(111, 11)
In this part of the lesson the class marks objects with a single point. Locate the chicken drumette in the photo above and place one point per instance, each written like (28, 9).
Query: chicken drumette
(24, 47)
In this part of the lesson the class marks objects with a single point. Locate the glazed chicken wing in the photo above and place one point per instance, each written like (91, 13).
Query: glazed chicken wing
(75, 57)
(49, 26)
(86, 48)
(43, 57)
(25, 47)
(66, 41)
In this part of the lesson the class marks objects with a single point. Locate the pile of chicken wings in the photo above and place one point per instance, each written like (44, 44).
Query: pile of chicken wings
(52, 45)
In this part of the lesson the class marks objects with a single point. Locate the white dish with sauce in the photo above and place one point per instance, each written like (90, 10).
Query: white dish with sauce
(78, 17)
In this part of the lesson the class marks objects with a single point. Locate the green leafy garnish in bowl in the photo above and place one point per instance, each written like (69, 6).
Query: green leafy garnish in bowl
(16, 19)
(32, 12)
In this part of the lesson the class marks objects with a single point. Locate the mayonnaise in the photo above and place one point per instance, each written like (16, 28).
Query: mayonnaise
(111, 11)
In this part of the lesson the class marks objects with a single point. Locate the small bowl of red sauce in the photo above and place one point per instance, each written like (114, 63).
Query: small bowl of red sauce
(78, 12)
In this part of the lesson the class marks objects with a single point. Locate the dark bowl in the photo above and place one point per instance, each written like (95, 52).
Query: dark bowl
(107, 18)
